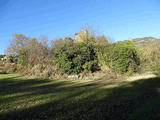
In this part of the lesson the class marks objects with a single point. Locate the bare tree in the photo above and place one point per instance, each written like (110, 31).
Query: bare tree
(57, 43)
(16, 44)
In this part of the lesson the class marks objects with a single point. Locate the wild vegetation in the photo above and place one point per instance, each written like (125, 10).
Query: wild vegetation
(86, 53)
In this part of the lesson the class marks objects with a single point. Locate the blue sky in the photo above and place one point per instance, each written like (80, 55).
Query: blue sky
(119, 19)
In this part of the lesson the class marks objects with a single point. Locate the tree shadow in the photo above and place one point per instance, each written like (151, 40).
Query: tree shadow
(138, 100)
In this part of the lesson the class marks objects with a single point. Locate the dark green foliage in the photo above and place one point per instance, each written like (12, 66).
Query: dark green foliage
(75, 58)
(91, 66)
(121, 57)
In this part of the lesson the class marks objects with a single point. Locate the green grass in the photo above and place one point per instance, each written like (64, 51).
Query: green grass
(102, 99)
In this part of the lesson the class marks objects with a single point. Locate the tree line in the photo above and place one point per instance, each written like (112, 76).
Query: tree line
(86, 53)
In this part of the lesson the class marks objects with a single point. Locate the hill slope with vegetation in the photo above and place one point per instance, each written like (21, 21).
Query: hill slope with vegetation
(141, 42)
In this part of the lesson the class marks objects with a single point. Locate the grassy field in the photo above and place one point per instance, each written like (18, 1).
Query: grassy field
(41, 99)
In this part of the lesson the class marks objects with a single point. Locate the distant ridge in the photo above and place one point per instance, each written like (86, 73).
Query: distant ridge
(140, 42)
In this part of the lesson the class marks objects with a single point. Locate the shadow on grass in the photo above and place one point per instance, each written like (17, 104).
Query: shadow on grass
(66, 100)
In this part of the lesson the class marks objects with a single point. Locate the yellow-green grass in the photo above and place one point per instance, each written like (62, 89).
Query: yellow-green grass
(100, 99)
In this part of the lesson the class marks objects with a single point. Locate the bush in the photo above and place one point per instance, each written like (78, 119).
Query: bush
(75, 58)
(121, 57)
(91, 66)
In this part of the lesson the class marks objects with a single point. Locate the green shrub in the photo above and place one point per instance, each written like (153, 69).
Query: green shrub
(91, 66)
(121, 57)
(75, 58)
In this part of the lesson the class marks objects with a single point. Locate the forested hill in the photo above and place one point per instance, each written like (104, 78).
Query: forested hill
(140, 42)
(144, 41)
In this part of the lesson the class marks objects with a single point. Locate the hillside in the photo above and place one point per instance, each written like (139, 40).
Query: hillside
(139, 42)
